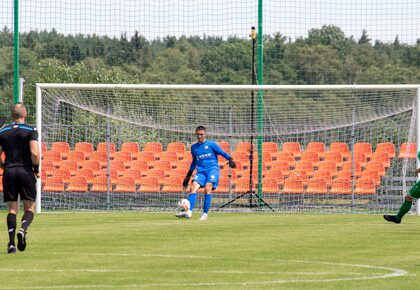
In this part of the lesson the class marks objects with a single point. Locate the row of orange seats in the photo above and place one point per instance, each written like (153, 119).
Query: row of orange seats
(151, 184)
(298, 186)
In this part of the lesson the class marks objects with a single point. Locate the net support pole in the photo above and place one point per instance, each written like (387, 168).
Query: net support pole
(16, 53)
(418, 142)
(39, 129)
(260, 94)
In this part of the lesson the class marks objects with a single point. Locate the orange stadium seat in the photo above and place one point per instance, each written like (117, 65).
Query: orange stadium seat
(285, 157)
(69, 165)
(146, 156)
(100, 184)
(158, 173)
(317, 185)
(136, 174)
(344, 174)
(276, 174)
(243, 146)
(54, 184)
(77, 184)
(317, 147)
(86, 173)
(360, 157)
(118, 165)
(155, 147)
(93, 165)
(304, 165)
(177, 147)
(372, 174)
(325, 174)
(334, 156)
(311, 156)
(131, 147)
(382, 157)
(64, 174)
(165, 165)
(348, 166)
(170, 156)
(54, 156)
(113, 174)
(342, 148)
(77, 156)
(408, 150)
(125, 184)
(269, 147)
(376, 166)
(85, 147)
(363, 147)
(341, 186)
(299, 174)
(328, 166)
(1, 184)
(365, 186)
(62, 147)
(270, 185)
(47, 165)
(100, 156)
(124, 156)
(283, 166)
(149, 184)
(141, 165)
(240, 156)
(225, 145)
(180, 172)
(242, 185)
(103, 147)
(292, 147)
(293, 186)
(172, 184)
(386, 147)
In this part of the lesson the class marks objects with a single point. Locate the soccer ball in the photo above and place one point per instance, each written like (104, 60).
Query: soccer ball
(184, 204)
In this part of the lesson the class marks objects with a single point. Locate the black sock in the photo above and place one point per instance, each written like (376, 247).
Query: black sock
(27, 219)
(11, 227)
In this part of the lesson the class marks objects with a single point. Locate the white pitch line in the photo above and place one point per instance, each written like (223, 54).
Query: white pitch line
(395, 272)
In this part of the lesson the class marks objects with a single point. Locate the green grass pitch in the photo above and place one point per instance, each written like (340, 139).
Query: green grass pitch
(134, 250)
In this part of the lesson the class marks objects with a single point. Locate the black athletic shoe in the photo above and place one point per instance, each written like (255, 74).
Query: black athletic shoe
(391, 218)
(11, 249)
(21, 236)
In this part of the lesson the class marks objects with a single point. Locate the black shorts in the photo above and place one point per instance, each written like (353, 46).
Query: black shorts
(19, 181)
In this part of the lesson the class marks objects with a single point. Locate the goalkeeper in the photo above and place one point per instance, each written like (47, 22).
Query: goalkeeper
(204, 160)
(408, 199)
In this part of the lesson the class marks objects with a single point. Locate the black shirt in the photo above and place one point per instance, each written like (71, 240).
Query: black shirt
(14, 140)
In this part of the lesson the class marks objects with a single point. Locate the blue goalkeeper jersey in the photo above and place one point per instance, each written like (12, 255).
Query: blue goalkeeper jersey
(204, 156)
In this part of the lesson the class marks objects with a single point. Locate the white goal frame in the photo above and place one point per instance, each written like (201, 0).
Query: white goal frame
(40, 86)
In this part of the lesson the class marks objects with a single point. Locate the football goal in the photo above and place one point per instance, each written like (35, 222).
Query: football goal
(332, 148)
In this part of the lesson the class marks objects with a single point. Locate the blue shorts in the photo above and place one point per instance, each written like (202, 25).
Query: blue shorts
(209, 176)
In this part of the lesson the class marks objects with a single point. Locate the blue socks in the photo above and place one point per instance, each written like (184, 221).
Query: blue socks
(207, 203)
(192, 197)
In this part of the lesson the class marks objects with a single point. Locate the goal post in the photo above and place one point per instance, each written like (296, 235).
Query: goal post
(306, 115)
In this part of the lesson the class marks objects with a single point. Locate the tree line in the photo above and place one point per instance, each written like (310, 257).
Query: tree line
(324, 56)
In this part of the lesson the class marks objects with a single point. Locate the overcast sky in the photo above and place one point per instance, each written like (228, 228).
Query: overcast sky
(383, 19)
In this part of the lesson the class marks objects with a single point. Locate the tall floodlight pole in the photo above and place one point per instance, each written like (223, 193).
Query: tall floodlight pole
(16, 53)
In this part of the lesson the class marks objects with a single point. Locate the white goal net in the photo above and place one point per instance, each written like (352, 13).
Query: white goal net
(298, 148)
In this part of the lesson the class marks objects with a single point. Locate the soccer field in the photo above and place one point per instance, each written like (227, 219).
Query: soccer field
(129, 250)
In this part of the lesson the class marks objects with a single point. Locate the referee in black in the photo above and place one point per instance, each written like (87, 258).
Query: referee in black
(19, 141)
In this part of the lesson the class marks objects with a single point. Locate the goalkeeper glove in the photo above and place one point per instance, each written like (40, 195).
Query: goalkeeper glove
(232, 163)
(187, 179)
